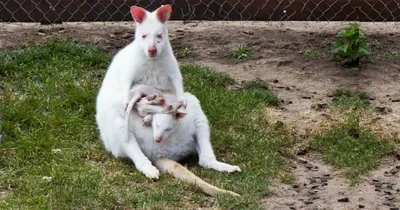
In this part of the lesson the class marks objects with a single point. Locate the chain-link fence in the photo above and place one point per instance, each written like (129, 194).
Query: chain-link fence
(57, 11)
(53, 11)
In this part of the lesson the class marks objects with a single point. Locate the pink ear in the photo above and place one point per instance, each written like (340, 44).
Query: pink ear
(164, 13)
(180, 114)
(138, 14)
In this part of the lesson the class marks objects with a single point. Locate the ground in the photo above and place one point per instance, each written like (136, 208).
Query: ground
(294, 59)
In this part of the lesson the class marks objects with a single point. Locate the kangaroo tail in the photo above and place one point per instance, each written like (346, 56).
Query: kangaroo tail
(183, 174)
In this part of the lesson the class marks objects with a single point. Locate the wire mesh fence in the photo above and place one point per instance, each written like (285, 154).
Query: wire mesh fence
(57, 11)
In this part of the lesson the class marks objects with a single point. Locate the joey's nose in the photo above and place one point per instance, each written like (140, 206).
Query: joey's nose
(158, 139)
(152, 51)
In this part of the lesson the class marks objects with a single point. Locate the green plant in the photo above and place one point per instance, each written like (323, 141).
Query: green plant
(350, 44)
(242, 52)
(184, 52)
(313, 53)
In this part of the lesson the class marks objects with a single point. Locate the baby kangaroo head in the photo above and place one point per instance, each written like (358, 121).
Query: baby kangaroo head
(151, 29)
(165, 124)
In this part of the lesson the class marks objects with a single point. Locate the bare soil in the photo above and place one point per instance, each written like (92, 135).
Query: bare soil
(294, 58)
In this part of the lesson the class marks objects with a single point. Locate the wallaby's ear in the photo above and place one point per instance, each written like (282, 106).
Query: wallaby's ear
(138, 14)
(180, 114)
(164, 13)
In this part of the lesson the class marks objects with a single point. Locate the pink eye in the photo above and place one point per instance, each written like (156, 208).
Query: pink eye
(144, 36)
(159, 36)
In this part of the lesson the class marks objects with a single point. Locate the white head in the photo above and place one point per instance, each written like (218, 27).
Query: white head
(165, 124)
(151, 29)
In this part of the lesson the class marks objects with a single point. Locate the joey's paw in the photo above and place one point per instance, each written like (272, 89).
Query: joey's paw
(151, 97)
(149, 171)
(147, 120)
(183, 101)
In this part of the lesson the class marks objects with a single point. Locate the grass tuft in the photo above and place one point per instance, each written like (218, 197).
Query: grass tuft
(352, 147)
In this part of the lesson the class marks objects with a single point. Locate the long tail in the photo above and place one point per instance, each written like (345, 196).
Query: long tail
(183, 174)
(128, 114)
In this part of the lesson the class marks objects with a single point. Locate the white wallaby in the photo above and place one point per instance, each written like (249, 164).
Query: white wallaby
(177, 135)
(149, 60)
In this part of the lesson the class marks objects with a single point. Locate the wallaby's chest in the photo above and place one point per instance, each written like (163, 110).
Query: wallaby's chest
(156, 75)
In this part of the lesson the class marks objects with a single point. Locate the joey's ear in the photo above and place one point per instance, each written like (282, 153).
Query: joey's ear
(164, 13)
(180, 114)
(159, 94)
(138, 14)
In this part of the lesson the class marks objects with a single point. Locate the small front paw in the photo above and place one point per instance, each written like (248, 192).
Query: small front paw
(149, 171)
(183, 101)
(147, 120)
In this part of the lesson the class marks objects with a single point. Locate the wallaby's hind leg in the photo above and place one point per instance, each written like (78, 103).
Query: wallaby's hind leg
(207, 157)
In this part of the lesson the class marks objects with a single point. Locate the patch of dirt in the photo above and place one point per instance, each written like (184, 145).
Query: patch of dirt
(294, 59)
(320, 186)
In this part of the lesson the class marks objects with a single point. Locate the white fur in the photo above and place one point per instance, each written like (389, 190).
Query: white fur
(185, 136)
(132, 65)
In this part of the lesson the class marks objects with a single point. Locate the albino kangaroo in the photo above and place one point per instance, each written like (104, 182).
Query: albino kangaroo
(177, 135)
(147, 60)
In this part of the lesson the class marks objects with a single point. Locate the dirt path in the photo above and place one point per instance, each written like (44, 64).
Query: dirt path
(283, 57)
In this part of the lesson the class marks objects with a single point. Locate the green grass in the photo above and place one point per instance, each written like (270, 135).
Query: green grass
(344, 99)
(47, 104)
(313, 53)
(349, 145)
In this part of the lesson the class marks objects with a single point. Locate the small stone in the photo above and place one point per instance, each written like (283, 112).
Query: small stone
(302, 161)
(319, 106)
(112, 36)
(372, 98)
(126, 35)
(383, 109)
(309, 166)
(275, 81)
(308, 202)
(40, 34)
(345, 199)
(386, 203)
(248, 32)
(301, 151)
(394, 171)
(389, 198)
(361, 206)
(396, 99)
